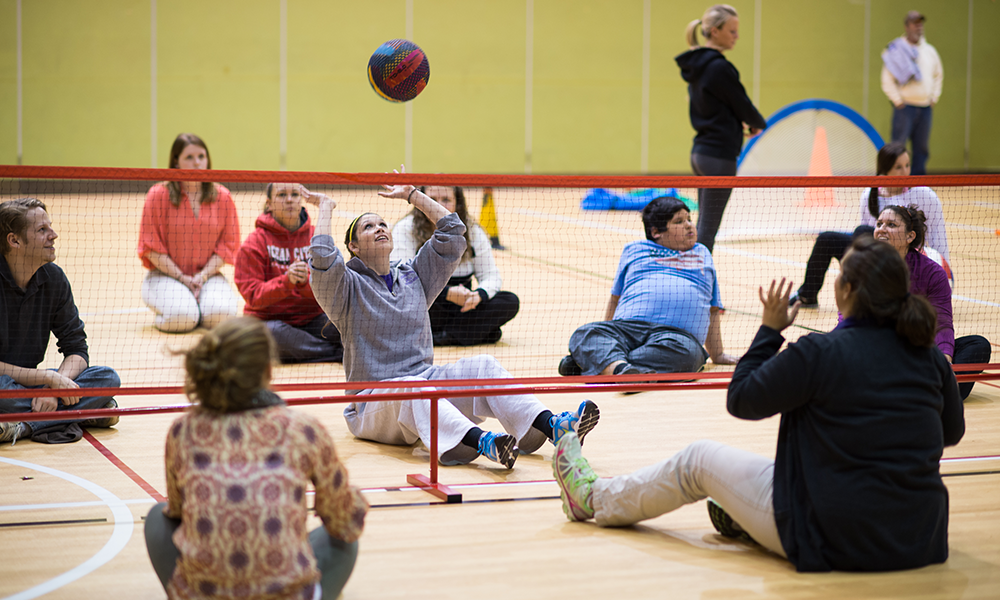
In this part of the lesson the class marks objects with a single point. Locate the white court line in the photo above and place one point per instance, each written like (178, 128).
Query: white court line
(743, 253)
(975, 301)
(124, 311)
(973, 459)
(56, 505)
(122, 533)
(969, 227)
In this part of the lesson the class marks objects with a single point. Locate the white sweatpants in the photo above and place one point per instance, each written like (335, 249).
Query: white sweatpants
(175, 306)
(404, 422)
(740, 481)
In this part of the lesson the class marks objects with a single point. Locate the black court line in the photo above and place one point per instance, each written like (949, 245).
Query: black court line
(409, 504)
(971, 473)
(66, 522)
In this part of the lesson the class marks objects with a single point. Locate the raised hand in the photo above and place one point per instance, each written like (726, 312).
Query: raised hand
(316, 198)
(776, 313)
(397, 191)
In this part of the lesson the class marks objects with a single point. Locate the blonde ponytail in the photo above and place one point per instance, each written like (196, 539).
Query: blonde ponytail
(691, 33)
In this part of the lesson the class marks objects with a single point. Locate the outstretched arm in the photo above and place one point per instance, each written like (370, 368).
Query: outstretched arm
(424, 203)
(326, 204)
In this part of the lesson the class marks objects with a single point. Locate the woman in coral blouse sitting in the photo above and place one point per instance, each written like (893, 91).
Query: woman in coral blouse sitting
(189, 230)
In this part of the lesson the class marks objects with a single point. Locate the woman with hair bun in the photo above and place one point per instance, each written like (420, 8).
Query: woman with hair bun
(720, 110)
(238, 465)
(866, 411)
(381, 306)
(905, 228)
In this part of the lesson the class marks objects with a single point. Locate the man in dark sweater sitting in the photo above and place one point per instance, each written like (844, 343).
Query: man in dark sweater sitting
(35, 299)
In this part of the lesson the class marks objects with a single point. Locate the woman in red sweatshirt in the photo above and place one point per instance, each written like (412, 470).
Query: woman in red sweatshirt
(273, 277)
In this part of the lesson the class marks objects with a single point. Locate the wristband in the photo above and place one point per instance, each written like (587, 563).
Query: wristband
(410, 194)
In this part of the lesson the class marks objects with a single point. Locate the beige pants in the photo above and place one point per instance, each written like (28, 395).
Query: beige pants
(740, 481)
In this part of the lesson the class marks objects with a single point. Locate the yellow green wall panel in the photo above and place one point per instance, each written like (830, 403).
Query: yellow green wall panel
(86, 83)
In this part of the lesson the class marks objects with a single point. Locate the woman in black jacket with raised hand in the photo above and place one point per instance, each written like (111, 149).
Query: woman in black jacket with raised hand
(866, 411)
(720, 110)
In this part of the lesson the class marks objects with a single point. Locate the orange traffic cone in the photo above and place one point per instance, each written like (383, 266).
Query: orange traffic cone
(819, 166)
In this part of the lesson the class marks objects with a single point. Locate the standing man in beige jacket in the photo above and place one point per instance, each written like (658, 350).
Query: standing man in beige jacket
(912, 77)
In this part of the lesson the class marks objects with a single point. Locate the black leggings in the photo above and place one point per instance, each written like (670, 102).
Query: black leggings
(481, 325)
(712, 201)
(829, 245)
(970, 349)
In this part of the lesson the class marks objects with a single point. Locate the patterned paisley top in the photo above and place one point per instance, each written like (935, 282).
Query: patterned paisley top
(238, 483)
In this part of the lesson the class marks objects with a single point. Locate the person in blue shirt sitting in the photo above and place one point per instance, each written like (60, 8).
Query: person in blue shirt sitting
(663, 314)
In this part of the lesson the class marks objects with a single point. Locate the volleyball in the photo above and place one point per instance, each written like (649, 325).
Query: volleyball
(398, 70)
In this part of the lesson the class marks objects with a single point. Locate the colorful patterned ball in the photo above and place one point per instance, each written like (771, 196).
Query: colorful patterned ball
(398, 70)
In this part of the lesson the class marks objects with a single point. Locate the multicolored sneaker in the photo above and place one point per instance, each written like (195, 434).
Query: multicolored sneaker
(575, 478)
(10, 431)
(581, 422)
(725, 524)
(106, 421)
(498, 447)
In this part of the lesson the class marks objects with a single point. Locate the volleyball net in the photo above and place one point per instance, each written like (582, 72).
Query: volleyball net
(559, 259)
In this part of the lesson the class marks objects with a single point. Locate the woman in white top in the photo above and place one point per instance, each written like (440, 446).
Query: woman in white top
(462, 315)
(893, 160)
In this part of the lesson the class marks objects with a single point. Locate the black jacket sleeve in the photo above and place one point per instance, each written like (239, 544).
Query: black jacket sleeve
(953, 412)
(766, 383)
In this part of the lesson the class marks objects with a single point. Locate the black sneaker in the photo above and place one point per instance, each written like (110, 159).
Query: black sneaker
(106, 421)
(725, 524)
(568, 367)
(627, 369)
(805, 302)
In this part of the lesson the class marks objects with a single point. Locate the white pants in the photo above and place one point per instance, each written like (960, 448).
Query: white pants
(741, 482)
(404, 422)
(175, 306)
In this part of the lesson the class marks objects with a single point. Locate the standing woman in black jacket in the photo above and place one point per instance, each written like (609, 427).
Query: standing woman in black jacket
(720, 110)
(866, 411)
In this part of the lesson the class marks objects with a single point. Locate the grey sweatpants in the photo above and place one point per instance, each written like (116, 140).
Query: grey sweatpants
(403, 422)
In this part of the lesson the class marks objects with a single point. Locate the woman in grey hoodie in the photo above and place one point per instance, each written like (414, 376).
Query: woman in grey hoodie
(380, 308)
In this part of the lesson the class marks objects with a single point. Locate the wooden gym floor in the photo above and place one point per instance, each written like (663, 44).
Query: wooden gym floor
(71, 516)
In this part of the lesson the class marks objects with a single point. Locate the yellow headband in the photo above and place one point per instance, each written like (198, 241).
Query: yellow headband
(350, 230)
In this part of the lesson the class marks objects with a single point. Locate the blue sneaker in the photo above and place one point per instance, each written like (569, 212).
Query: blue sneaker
(498, 447)
(580, 422)
(575, 478)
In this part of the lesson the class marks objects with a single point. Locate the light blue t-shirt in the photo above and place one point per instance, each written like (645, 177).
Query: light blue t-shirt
(667, 287)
